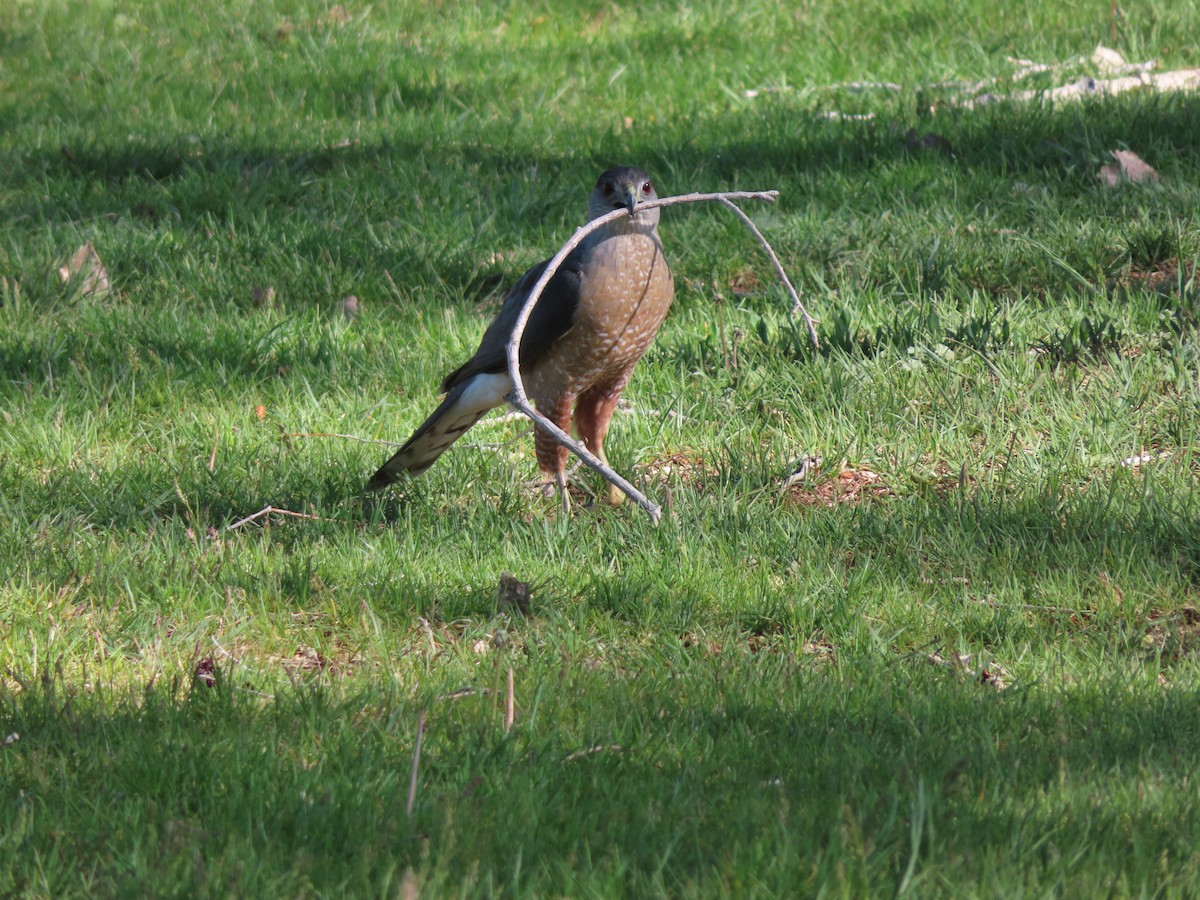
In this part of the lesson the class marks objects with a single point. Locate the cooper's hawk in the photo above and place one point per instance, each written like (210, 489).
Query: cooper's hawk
(591, 325)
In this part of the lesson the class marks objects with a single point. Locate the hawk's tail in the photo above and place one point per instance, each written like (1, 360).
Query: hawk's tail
(464, 405)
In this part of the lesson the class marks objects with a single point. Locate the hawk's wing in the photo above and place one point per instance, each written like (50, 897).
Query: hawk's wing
(552, 317)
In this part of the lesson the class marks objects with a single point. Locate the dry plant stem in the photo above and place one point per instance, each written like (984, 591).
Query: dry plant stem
(797, 306)
(520, 400)
(599, 748)
(416, 764)
(509, 704)
(349, 437)
(268, 510)
(212, 460)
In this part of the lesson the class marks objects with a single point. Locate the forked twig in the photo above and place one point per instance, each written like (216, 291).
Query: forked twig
(520, 400)
(268, 510)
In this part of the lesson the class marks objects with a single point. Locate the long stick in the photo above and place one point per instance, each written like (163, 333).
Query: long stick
(520, 400)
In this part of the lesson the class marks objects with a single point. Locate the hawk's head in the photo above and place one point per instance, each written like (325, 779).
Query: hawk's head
(624, 188)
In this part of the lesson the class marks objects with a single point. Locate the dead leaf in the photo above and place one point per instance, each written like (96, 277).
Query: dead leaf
(744, 283)
(512, 595)
(9, 288)
(683, 466)
(263, 297)
(86, 266)
(349, 307)
(206, 672)
(307, 659)
(1174, 634)
(260, 411)
(1130, 167)
(991, 674)
(849, 486)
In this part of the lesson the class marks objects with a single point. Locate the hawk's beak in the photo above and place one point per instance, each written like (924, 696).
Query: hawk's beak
(631, 199)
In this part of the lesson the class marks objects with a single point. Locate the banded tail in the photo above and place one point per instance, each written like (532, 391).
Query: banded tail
(463, 406)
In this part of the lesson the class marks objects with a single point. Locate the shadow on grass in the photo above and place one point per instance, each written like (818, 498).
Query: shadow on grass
(789, 148)
(1142, 519)
(704, 772)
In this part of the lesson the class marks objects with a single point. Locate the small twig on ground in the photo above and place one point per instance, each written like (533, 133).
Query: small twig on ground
(1117, 76)
(268, 510)
(416, 764)
(509, 704)
(212, 460)
(465, 692)
(520, 400)
(868, 86)
(599, 748)
(427, 629)
(1029, 607)
(349, 437)
(392, 284)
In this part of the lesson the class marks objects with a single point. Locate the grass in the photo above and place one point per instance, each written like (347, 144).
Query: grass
(961, 659)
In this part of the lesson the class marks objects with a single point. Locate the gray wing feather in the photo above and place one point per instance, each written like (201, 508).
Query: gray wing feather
(551, 318)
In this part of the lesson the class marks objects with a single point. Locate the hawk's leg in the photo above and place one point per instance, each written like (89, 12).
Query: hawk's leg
(593, 413)
(551, 455)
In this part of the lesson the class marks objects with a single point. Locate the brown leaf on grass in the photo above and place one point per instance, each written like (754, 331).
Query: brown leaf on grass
(744, 283)
(1168, 277)
(349, 307)
(850, 486)
(512, 595)
(991, 674)
(1174, 634)
(260, 411)
(206, 672)
(820, 650)
(682, 466)
(9, 288)
(263, 297)
(1130, 167)
(86, 267)
(307, 659)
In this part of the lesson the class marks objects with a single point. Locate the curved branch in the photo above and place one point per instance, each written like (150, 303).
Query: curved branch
(520, 400)
(797, 306)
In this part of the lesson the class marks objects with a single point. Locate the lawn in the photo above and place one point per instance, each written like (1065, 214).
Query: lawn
(958, 657)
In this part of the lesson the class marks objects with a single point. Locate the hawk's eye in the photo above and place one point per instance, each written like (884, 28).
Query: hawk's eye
(607, 189)
(647, 188)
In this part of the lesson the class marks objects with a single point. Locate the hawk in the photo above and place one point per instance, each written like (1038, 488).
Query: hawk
(587, 331)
